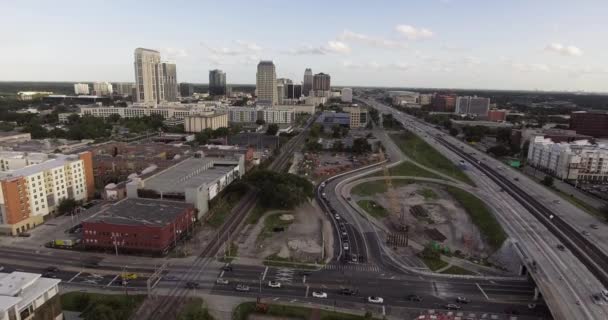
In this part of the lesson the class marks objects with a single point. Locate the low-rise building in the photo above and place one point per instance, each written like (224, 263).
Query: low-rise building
(209, 120)
(358, 116)
(32, 95)
(476, 106)
(135, 225)
(347, 95)
(81, 88)
(13, 160)
(195, 180)
(472, 123)
(269, 114)
(168, 111)
(497, 115)
(521, 136)
(25, 296)
(29, 194)
(47, 145)
(576, 161)
(590, 123)
(54, 99)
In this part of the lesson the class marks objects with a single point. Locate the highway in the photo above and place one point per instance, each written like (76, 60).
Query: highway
(565, 282)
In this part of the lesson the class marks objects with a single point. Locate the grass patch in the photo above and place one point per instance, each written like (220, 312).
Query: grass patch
(408, 168)
(373, 208)
(481, 216)
(423, 153)
(101, 306)
(242, 312)
(255, 214)
(194, 309)
(433, 263)
(221, 206)
(371, 188)
(428, 194)
(270, 223)
(457, 270)
(274, 260)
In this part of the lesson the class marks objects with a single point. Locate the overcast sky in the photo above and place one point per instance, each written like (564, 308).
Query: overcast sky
(518, 44)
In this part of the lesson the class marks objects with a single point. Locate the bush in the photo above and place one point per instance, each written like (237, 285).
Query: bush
(548, 181)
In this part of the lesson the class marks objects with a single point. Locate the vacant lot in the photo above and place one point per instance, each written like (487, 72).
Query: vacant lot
(423, 153)
(101, 306)
(481, 217)
(379, 186)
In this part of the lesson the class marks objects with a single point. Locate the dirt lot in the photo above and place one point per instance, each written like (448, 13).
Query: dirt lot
(321, 165)
(300, 241)
(440, 218)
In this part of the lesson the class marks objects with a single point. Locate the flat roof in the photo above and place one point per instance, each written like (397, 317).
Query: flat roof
(139, 211)
(12, 133)
(190, 173)
(12, 283)
(8, 302)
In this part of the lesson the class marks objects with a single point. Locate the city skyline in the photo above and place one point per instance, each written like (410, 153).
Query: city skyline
(436, 47)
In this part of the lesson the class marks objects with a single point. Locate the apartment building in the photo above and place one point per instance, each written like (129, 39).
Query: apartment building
(577, 161)
(29, 194)
(210, 120)
(276, 114)
(168, 111)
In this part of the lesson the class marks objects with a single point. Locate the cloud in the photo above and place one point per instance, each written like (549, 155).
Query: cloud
(413, 33)
(337, 47)
(348, 35)
(564, 50)
(172, 53)
(530, 67)
(331, 47)
(241, 48)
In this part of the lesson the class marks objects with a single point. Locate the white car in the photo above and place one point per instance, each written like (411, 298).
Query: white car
(221, 281)
(319, 294)
(345, 246)
(372, 299)
(274, 284)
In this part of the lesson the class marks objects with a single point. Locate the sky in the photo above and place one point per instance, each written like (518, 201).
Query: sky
(485, 44)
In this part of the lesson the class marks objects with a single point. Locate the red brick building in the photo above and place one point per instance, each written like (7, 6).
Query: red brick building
(590, 123)
(497, 115)
(139, 225)
(444, 103)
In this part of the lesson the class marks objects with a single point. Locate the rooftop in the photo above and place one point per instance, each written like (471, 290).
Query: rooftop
(137, 211)
(11, 133)
(60, 160)
(190, 173)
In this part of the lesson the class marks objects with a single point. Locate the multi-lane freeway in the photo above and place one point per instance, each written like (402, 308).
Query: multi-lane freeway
(567, 280)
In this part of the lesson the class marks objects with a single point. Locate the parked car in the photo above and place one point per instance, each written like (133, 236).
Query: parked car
(52, 269)
(561, 247)
(593, 226)
(452, 306)
(227, 268)
(221, 281)
(345, 246)
(274, 284)
(242, 287)
(319, 294)
(192, 285)
(347, 292)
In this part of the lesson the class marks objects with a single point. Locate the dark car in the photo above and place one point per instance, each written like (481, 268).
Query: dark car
(191, 285)
(347, 292)
(227, 268)
(462, 300)
(24, 235)
(51, 269)
(414, 298)
(305, 273)
(561, 247)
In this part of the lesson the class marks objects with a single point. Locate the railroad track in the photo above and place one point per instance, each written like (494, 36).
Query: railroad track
(171, 304)
(588, 253)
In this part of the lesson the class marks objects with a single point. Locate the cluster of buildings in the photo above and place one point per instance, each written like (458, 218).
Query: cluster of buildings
(579, 161)
(472, 106)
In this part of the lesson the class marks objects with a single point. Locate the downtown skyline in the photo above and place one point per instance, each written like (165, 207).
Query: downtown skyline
(444, 43)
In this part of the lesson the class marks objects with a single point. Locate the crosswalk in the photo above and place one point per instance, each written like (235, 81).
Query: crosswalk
(352, 267)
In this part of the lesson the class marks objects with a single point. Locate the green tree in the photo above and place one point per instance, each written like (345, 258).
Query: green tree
(114, 118)
(338, 145)
(454, 132)
(336, 131)
(101, 312)
(503, 135)
(360, 145)
(499, 150)
(221, 132)
(280, 190)
(67, 205)
(548, 181)
(272, 129)
(260, 122)
(604, 211)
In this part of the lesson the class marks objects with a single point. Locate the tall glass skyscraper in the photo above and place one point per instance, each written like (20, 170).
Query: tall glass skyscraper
(217, 82)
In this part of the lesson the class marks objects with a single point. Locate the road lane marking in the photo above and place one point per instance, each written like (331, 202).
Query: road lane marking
(480, 289)
(307, 288)
(74, 277)
(222, 274)
(383, 311)
(265, 271)
(112, 281)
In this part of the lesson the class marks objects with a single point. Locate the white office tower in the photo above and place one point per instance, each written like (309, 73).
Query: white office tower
(266, 83)
(102, 88)
(149, 84)
(81, 88)
(347, 95)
